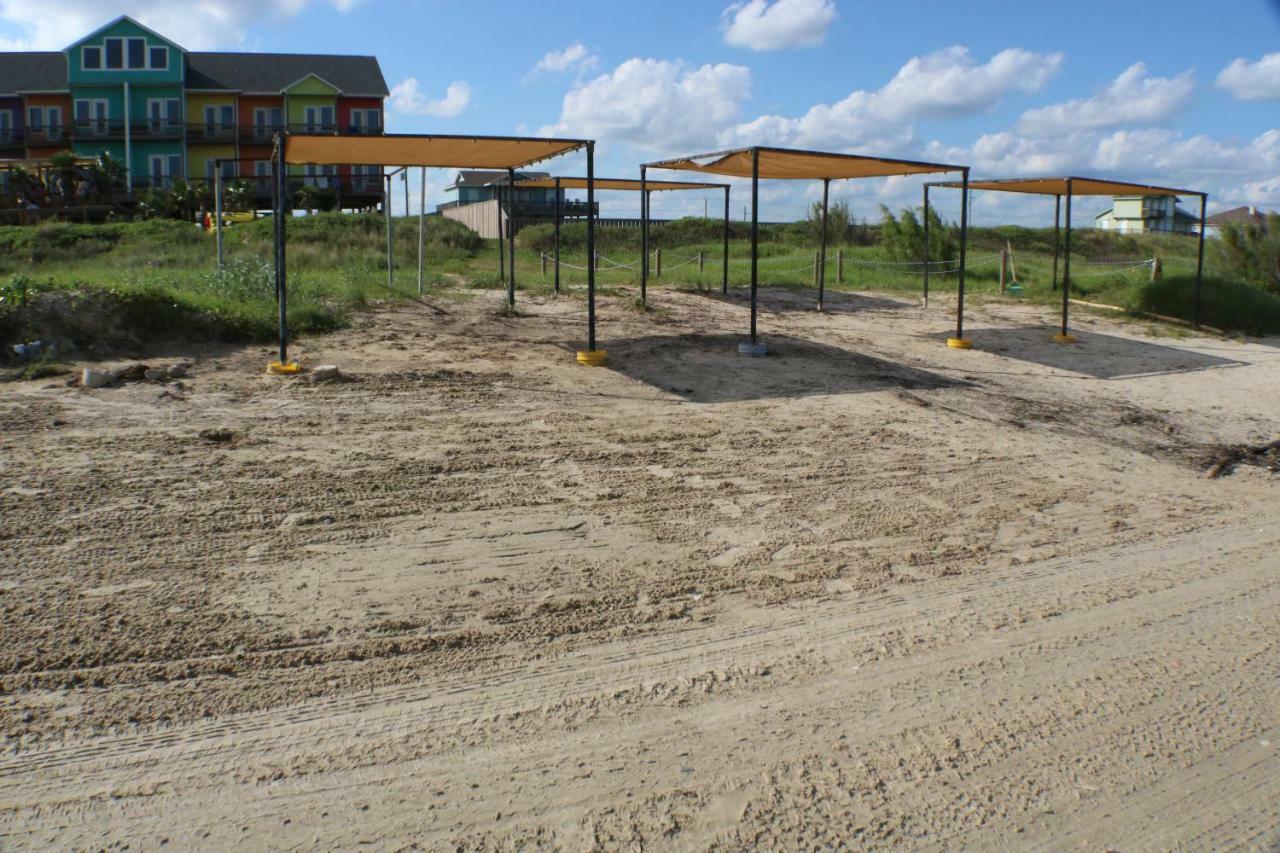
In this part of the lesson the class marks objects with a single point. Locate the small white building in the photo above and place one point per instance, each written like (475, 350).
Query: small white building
(1134, 214)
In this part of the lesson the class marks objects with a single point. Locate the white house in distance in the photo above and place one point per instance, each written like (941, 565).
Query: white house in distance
(1134, 214)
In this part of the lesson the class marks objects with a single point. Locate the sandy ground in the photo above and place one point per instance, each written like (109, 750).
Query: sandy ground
(868, 590)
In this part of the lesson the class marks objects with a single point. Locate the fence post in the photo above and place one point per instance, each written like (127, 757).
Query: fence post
(1004, 267)
(597, 260)
(699, 262)
(840, 265)
(543, 257)
(657, 268)
(817, 260)
(1157, 268)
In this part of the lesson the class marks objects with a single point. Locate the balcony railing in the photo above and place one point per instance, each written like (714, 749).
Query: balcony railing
(48, 134)
(11, 137)
(110, 128)
(212, 131)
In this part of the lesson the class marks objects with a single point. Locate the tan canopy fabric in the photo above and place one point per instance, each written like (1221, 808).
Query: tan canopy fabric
(792, 164)
(1058, 186)
(626, 184)
(460, 152)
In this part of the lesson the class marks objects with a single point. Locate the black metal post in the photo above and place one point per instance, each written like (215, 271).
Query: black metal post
(1066, 267)
(1057, 211)
(926, 245)
(1204, 204)
(502, 249)
(964, 246)
(822, 251)
(511, 237)
(755, 232)
(591, 246)
(558, 215)
(724, 281)
(644, 233)
(282, 294)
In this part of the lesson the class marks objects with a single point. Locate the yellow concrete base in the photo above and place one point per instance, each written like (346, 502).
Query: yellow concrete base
(593, 357)
(284, 369)
(1065, 339)
(959, 343)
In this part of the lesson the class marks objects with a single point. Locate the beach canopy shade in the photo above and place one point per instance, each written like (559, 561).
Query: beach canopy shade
(793, 164)
(1079, 186)
(432, 152)
(1067, 186)
(623, 184)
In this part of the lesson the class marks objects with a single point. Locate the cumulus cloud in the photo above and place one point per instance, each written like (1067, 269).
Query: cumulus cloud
(575, 57)
(202, 25)
(655, 104)
(761, 25)
(1133, 98)
(948, 82)
(407, 98)
(1253, 81)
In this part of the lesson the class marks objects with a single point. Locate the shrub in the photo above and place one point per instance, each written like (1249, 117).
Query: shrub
(1250, 253)
(902, 237)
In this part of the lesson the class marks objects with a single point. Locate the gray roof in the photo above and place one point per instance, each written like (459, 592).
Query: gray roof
(485, 177)
(271, 72)
(36, 71)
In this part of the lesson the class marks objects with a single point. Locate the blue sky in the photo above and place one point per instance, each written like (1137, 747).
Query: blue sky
(1182, 93)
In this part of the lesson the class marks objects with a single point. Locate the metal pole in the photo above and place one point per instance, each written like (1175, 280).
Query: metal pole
(511, 237)
(502, 251)
(964, 244)
(404, 179)
(1066, 267)
(591, 246)
(1057, 211)
(644, 233)
(422, 224)
(558, 214)
(217, 206)
(755, 232)
(1204, 203)
(724, 281)
(926, 245)
(386, 208)
(822, 252)
(281, 179)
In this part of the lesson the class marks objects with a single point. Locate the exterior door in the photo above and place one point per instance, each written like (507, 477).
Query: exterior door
(6, 125)
(267, 120)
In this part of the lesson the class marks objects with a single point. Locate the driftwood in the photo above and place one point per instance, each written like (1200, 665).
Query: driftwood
(1230, 457)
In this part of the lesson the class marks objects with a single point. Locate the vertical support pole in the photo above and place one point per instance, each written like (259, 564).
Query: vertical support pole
(644, 234)
(822, 250)
(840, 266)
(511, 238)
(591, 246)
(1057, 234)
(502, 247)
(700, 266)
(281, 178)
(1204, 204)
(1065, 336)
(404, 179)
(657, 260)
(386, 208)
(422, 224)
(724, 276)
(558, 215)
(755, 233)
(217, 206)
(1004, 268)
(925, 260)
(962, 342)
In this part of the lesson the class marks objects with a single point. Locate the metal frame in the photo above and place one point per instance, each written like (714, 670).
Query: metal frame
(281, 204)
(1064, 333)
(677, 164)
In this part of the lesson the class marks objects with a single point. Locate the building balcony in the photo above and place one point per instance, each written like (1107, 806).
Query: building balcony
(10, 138)
(265, 134)
(54, 134)
(212, 133)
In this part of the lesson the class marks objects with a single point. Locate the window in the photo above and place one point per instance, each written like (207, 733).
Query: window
(163, 168)
(115, 53)
(6, 125)
(319, 119)
(35, 119)
(164, 115)
(159, 59)
(366, 121)
(321, 176)
(219, 121)
(92, 115)
(267, 120)
(137, 53)
(91, 58)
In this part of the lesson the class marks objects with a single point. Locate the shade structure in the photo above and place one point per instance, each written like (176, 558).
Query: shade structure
(425, 151)
(771, 163)
(429, 151)
(1069, 187)
(644, 187)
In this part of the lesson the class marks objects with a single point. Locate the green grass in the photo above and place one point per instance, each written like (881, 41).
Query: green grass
(161, 280)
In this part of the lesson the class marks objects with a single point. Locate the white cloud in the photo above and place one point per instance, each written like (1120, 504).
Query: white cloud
(760, 25)
(655, 104)
(407, 98)
(1132, 98)
(948, 82)
(1253, 81)
(575, 57)
(54, 24)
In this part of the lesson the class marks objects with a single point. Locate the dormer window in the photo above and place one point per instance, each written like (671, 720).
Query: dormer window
(91, 58)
